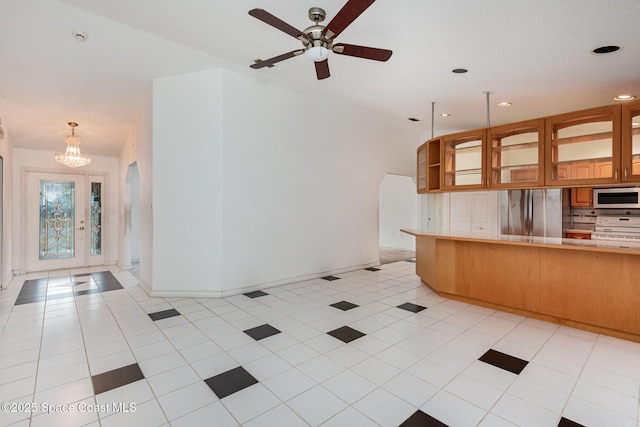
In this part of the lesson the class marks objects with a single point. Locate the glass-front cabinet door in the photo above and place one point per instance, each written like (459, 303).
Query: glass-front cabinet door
(583, 147)
(422, 169)
(516, 155)
(464, 160)
(631, 141)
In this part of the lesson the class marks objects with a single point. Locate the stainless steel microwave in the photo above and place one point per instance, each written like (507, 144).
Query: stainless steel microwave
(622, 198)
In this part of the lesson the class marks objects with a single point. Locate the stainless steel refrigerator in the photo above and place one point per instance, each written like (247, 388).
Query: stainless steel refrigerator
(531, 212)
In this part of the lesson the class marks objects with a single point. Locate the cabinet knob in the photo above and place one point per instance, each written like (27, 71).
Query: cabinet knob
(615, 175)
(626, 173)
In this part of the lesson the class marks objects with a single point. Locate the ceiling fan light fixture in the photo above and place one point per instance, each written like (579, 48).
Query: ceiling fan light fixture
(318, 53)
(72, 157)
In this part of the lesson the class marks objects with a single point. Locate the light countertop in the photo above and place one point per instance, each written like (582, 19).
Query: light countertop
(548, 242)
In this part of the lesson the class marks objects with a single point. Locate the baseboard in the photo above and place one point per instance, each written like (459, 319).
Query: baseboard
(6, 281)
(256, 286)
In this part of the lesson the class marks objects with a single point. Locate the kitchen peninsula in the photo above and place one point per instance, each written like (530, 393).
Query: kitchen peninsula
(591, 285)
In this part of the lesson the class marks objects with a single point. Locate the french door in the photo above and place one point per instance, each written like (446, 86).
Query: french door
(64, 223)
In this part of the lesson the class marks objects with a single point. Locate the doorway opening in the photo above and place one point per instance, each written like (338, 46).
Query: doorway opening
(398, 209)
(132, 220)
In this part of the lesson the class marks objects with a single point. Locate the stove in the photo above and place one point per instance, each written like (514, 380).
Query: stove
(617, 228)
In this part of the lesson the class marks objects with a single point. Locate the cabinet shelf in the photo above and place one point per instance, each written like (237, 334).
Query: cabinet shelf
(590, 160)
(583, 138)
(515, 167)
(460, 172)
(515, 147)
(462, 150)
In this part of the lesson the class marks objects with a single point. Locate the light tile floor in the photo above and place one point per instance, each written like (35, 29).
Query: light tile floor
(412, 366)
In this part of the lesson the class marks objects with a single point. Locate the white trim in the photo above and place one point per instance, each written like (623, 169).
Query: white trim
(254, 287)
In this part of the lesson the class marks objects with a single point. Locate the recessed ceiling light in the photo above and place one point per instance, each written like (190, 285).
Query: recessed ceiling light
(81, 36)
(624, 97)
(459, 70)
(504, 104)
(413, 119)
(445, 114)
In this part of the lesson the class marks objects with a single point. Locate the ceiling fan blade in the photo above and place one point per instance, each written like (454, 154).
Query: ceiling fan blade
(362, 52)
(349, 12)
(322, 69)
(275, 22)
(275, 59)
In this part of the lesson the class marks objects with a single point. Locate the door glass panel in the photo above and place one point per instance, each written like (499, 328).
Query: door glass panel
(96, 218)
(57, 219)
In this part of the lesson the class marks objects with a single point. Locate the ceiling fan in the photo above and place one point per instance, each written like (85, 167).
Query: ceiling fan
(318, 40)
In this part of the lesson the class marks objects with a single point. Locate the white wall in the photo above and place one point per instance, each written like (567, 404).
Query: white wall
(138, 149)
(187, 184)
(24, 159)
(275, 193)
(8, 190)
(398, 209)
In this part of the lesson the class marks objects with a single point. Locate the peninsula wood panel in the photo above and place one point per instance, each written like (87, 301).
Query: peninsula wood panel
(601, 289)
(588, 287)
(502, 274)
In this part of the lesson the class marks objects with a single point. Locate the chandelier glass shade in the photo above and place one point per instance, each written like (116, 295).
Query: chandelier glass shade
(72, 157)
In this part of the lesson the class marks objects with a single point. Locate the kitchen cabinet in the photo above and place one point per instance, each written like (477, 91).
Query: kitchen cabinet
(515, 156)
(581, 197)
(463, 160)
(583, 147)
(595, 147)
(421, 174)
(631, 141)
(428, 169)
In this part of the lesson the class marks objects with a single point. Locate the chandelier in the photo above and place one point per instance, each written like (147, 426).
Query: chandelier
(72, 157)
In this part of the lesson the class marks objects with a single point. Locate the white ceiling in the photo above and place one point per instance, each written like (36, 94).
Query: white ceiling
(535, 54)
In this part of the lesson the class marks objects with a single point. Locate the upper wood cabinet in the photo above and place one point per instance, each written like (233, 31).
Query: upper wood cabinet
(421, 170)
(583, 147)
(594, 147)
(631, 141)
(428, 170)
(463, 164)
(515, 156)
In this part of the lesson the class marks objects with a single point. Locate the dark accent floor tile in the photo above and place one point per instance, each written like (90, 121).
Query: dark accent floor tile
(116, 378)
(420, 419)
(565, 422)
(414, 308)
(77, 276)
(372, 269)
(111, 285)
(344, 305)
(346, 334)
(504, 361)
(86, 292)
(255, 294)
(30, 300)
(330, 278)
(413, 261)
(262, 331)
(34, 290)
(230, 382)
(164, 314)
